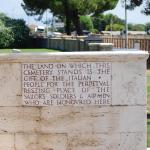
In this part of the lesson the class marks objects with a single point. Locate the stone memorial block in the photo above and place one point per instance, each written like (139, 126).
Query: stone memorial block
(91, 39)
(100, 46)
(73, 101)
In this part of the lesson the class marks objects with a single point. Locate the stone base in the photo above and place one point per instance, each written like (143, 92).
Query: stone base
(120, 125)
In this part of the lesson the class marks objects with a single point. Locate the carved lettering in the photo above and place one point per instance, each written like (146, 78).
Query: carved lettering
(69, 83)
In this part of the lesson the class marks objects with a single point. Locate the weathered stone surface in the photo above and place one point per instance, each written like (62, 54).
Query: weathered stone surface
(74, 120)
(93, 119)
(120, 119)
(40, 141)
(122, 141)
(133, 141)
(10, 85)
(103, 141)
(129, 80)
(19, 119)
(113, 56)
(7, 142)
(65, 120)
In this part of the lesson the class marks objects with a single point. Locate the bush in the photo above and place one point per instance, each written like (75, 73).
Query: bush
(6, 36)
(13, 28)
(115, 27)
(86, 23)
(20, 30)
(94, 31)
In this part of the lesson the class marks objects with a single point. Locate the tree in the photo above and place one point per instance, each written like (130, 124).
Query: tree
(135, 3)
(101, 21)
(6, 36)
(136, 27)
(114, 27)
(20, 30)
(147, 28)
(86, 23)
(17, 28)
(3, 18)
(70, 9)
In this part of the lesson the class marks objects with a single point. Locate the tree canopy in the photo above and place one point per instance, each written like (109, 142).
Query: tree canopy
(146, 3)
(86, 23)
(114, 27)
(147, 28)
(136, 27)
(70, 9)
(20, 30)
(101, 21)
(6, 36)
(13, 32)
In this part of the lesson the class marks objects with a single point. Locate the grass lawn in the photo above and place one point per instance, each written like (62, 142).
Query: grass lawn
(148, 132)
(148, 90)
(148, 107)
(28, 50)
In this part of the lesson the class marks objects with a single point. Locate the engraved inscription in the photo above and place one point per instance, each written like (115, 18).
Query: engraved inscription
(69, 83)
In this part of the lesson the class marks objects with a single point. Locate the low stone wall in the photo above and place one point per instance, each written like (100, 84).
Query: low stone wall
(104, 106)
(66, 44)
(76, 45)
(57, 44)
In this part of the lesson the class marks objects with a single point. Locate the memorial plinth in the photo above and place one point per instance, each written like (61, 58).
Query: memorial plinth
(73, 101)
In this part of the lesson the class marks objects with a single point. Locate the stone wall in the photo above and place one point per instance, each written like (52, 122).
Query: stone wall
(66, 44)
(119, 124)
(76, 45)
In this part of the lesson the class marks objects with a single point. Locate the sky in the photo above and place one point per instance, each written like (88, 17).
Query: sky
(135, 16)
(13, 9)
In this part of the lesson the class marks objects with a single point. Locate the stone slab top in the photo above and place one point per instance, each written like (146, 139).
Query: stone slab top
(74, 56)
(100, 44)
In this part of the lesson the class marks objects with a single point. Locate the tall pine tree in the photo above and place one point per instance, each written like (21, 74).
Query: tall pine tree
(71, 10)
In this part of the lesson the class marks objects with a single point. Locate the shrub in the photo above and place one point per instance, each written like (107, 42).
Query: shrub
(114, 27)
(6, 36)
(86, 23)
(20, 30)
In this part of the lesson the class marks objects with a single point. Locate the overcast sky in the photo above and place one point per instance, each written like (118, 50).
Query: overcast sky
(13, 9)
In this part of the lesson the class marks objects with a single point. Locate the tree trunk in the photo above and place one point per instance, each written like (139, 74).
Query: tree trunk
(68, 26)
(76, 22)
(67, 15)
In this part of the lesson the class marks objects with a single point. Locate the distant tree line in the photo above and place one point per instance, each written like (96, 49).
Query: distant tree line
(109, 22)
(13, 32)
